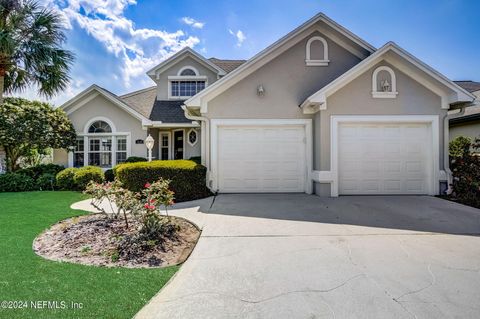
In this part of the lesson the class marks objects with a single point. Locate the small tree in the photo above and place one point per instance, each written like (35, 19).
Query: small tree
(27, 125)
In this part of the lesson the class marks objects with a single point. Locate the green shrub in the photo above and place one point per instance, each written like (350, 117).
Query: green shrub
(459, 146)
(109, 175)
(64, 179)
(39, 170)
(45, 182)
(85, 174)
(14, 182)
(135, 159)
(187, 177)
(466, 176)
(196, 159)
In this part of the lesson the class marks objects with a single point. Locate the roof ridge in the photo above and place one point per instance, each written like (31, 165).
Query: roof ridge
(137, 92)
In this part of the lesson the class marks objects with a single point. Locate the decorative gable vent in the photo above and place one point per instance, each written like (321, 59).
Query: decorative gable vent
(384, 83)
(316, 52)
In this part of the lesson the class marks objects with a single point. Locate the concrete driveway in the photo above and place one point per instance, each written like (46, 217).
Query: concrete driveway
(301, 256)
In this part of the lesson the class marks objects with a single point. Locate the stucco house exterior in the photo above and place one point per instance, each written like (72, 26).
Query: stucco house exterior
(467, 122)
(319, 111)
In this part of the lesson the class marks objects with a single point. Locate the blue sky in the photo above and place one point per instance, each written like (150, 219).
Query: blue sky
(117, 41)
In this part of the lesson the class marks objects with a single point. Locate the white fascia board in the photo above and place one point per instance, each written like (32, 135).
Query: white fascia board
(268, 54)
(179, 56)
(82, 98)
(321, 95)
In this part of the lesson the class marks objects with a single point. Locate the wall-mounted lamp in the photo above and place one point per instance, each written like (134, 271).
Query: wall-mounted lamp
(260, 90)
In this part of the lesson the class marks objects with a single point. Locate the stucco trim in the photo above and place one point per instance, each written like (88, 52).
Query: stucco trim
(216, 123)
(458, 94)
(335, 120)
(380, 94)
(266, 55)
(308, 51)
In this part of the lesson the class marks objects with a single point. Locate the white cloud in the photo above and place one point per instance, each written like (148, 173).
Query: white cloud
(193, 23)
(239, 35)
(138, 49)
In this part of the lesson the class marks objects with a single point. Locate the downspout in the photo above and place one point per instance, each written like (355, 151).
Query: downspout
(446, 141)
(205, 130)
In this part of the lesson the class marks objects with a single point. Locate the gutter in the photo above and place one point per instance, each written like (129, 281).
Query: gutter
(205, 130)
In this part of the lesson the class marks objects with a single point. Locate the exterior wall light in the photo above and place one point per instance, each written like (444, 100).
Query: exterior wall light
(260, 90)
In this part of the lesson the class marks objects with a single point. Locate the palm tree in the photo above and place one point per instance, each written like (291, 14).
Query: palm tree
(30, 48)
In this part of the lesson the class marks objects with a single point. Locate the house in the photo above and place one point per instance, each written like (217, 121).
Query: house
(468, 122)
(319, 111)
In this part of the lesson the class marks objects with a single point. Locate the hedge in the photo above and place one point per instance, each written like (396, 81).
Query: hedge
(135, 159)
(77, 178)
(84, 175)
(65, 179)
(36, 171)
(14, 182)
(187, 177)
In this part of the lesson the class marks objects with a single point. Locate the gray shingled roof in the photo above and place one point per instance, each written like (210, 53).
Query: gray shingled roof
(168, 112)
(470, 86)
(141, 100)
(227, 65)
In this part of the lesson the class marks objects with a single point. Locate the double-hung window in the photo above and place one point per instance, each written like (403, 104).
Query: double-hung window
(186, 83)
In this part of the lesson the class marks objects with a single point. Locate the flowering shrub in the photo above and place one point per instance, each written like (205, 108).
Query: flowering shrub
(144, 206)
(466, 176)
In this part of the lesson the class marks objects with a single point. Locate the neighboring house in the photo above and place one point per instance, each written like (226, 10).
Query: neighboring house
(319, 111)
(468, 124)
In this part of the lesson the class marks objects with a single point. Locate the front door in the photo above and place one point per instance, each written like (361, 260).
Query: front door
(178, 141)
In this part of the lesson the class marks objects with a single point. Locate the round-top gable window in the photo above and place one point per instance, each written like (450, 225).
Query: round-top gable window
(99, 127)
(188, 72)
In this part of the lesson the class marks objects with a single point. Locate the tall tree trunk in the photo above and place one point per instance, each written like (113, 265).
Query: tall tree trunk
(12, 156)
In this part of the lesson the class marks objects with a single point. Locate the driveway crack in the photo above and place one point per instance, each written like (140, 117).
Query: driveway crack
(258, 301)
(421, 289)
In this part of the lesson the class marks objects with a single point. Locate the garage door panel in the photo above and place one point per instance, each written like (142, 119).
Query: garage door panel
(384, 158)
(268, 159)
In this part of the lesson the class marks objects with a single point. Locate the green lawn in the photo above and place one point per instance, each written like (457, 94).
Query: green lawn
(24, 276)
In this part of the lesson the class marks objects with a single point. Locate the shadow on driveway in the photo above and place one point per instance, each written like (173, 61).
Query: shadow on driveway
(415, 213)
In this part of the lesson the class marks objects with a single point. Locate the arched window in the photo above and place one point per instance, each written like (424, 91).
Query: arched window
(384, 83)
(99, 127)
(316, 52)
(188, 72)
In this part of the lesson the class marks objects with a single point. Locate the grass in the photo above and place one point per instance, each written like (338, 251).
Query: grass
(24, 276)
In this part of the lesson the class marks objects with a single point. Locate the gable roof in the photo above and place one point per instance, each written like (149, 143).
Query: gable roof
(470, 86)
(227, 65)
(187, 51)
(265, 56)
(83, 97)
(319, 97)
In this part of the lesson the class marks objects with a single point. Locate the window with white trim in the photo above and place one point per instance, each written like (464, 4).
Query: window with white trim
(79, 153)
(192, 137)
(121, 151)
(100, 146)
(316, 52)
(188, 72)
(384, 83)
(186, 88)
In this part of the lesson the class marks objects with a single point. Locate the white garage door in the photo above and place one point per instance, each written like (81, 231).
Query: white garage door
(384, 158)
(255, 159)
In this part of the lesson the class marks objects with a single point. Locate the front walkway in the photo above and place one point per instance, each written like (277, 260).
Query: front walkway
(301, 256)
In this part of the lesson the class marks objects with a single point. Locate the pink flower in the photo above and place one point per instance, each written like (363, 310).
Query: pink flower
(147, 185)
(148, 206)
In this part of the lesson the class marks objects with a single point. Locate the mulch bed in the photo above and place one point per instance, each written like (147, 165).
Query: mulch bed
(94, 240)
